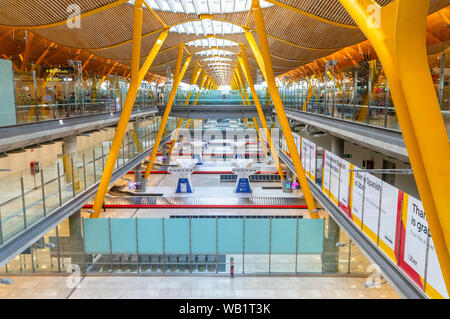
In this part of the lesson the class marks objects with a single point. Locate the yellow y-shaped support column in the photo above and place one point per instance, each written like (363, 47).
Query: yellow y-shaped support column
(176, 83)
(137, 75)
(195, 76)
(243, 61)
(400, 43)
(265, 52)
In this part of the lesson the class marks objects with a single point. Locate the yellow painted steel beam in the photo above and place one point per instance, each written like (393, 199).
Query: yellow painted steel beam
(260, 138)
(256, 52)
(136, 79)
(109, 73)
(166, 114)
(215, 18)
(400, 43)
(243, 61)
(154, 14)
(241, 82)
(265, 51)
(83, 67)
(153, 53)
(42, 57)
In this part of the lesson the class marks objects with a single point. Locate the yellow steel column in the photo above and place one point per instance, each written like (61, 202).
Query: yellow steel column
(126, 111)
(243, 61)
(265, 51)
(399, 41)
(260, 139)
(242, 84)
(176, 83)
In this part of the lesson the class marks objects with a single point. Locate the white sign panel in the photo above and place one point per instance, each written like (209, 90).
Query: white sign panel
(388, 219)
(372, 206)
(415, 248)
(326, 172)
(344, 185)
(416, 236)
(357, 196)
(334, 178)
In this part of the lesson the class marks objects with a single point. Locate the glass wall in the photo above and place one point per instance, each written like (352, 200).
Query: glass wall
(251, 245)
(361, 93)
(29, 195)
(61, 93)
(394, 221)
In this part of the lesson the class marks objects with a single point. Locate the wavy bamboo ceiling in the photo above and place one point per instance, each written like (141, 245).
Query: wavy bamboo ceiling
(299, 31)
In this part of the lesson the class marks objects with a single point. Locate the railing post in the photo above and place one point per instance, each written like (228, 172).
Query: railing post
(23, 204)
(43, 193)
(36, 107)
(59, 184)
(270, 244)
(1, 228)
(296, 249)
(386, 103)
(442, 80)
(137, 246)
(190, 245)
(110, 244)
(93, 161)
(217, 243)
(164, 247)
(84, 171)
(103, 158)
(58, 252)
(243, 245)
(73, 176)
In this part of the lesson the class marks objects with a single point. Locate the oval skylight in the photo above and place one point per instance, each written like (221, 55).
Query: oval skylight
(214, 52)
(206, 27)
(212, 42)
(203, 6)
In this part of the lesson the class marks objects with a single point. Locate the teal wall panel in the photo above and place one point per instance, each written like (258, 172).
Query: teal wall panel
(176, 233)
(311, 236)
(230, 236)
(203, 232)
(96, 236)
(123, 236)
(257, 235)
(284, 233)
(150, 235)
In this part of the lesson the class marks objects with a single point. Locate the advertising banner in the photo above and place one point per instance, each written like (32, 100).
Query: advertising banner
(326, 172)
(357, 195)
(334, 177)
(309, 159)
(371, 207)
(389, 221)
(413, 253)
(344, 187)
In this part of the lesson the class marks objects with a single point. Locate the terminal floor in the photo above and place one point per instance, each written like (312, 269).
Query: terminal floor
(117, 287)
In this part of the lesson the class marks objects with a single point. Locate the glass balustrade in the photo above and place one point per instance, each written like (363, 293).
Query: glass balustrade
(28, 196)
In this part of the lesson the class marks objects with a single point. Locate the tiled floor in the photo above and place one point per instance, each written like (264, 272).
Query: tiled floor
(112, 287)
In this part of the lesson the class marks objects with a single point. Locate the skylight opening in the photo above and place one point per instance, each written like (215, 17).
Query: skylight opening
(207, 27)
(203, 6)
(212, 42)
(214, 52)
